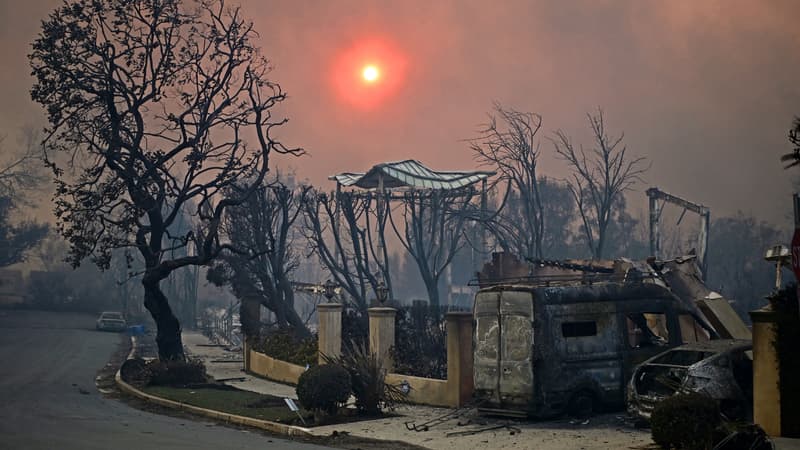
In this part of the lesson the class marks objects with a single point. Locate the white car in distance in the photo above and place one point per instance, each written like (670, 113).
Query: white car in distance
(111, 321)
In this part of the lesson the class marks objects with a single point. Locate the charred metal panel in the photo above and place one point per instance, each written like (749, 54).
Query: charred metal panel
(516, 337)
(587, 362)
(487, 343)
(713, 378)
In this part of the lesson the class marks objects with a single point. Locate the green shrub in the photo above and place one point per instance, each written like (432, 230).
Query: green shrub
(685, 421)
(368, 376)
(175, 373)
(324, 388)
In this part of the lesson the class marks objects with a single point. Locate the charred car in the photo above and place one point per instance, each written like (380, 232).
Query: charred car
(720, 369)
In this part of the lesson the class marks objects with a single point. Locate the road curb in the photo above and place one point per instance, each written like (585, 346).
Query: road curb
(274, 427)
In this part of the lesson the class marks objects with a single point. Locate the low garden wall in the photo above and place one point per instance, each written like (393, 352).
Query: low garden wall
(271, 368)
(426, 391)
(453, 392)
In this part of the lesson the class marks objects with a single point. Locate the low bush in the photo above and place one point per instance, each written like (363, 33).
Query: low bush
(368, 377)
(323, 389)
(685, 421)
(175, 373)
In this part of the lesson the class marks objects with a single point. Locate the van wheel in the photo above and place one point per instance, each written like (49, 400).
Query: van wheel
(582, 405)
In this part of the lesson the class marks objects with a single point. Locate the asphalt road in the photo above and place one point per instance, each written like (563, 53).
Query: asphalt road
(48, 398)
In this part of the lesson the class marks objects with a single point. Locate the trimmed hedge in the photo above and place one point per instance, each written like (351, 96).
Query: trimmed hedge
(324, 388)
(685, 421)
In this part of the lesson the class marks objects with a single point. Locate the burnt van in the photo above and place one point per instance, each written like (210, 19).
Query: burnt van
(540, 351)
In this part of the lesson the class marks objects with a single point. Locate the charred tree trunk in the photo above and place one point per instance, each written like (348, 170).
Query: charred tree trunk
(250, 316)
(292, 317)
(168, 337)
(432, 286)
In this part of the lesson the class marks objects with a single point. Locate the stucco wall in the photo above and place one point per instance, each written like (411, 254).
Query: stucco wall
(274, 369)
(426, 391)
(766, 394)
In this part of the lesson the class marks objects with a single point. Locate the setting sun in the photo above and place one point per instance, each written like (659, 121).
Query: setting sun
(370, 73)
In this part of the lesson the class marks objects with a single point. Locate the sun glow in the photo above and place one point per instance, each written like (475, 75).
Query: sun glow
(370, 74)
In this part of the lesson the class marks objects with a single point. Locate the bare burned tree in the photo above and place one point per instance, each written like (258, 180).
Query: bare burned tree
(344, 235)
(264, 224)
(433, 229)
(20, 171)
(23, 170)
(599, 178)
(157, 104)
(508, 145)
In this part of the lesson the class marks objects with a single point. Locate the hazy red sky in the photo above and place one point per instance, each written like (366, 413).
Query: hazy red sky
(705, 89)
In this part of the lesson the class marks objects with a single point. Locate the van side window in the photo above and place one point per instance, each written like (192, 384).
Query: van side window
(578, 329)
(647, 330)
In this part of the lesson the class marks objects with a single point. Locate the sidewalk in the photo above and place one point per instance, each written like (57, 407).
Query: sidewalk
(223, 365)
(602, 432)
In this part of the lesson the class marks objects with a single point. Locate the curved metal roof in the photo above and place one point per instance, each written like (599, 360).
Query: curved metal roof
(409, 174)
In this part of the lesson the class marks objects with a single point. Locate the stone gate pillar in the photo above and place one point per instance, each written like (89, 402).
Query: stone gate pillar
(381, 334)
(330, 329)
(776, 374)
(460, 382)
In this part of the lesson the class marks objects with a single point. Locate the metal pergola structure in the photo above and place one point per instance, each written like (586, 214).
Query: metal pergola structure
(410, 174)
(391, 180)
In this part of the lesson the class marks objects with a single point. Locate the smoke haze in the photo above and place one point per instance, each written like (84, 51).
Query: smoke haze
(706, 90)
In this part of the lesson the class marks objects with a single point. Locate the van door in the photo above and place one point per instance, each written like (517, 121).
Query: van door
(516, 347)
(487, 346)
(503, 372)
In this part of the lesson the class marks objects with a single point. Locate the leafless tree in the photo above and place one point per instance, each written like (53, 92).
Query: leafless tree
(432, 232)
(599, 178)
(20, 171)
(157, 104)
(264, 224)
(508, 145)
(22, 167)
(344, 230)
